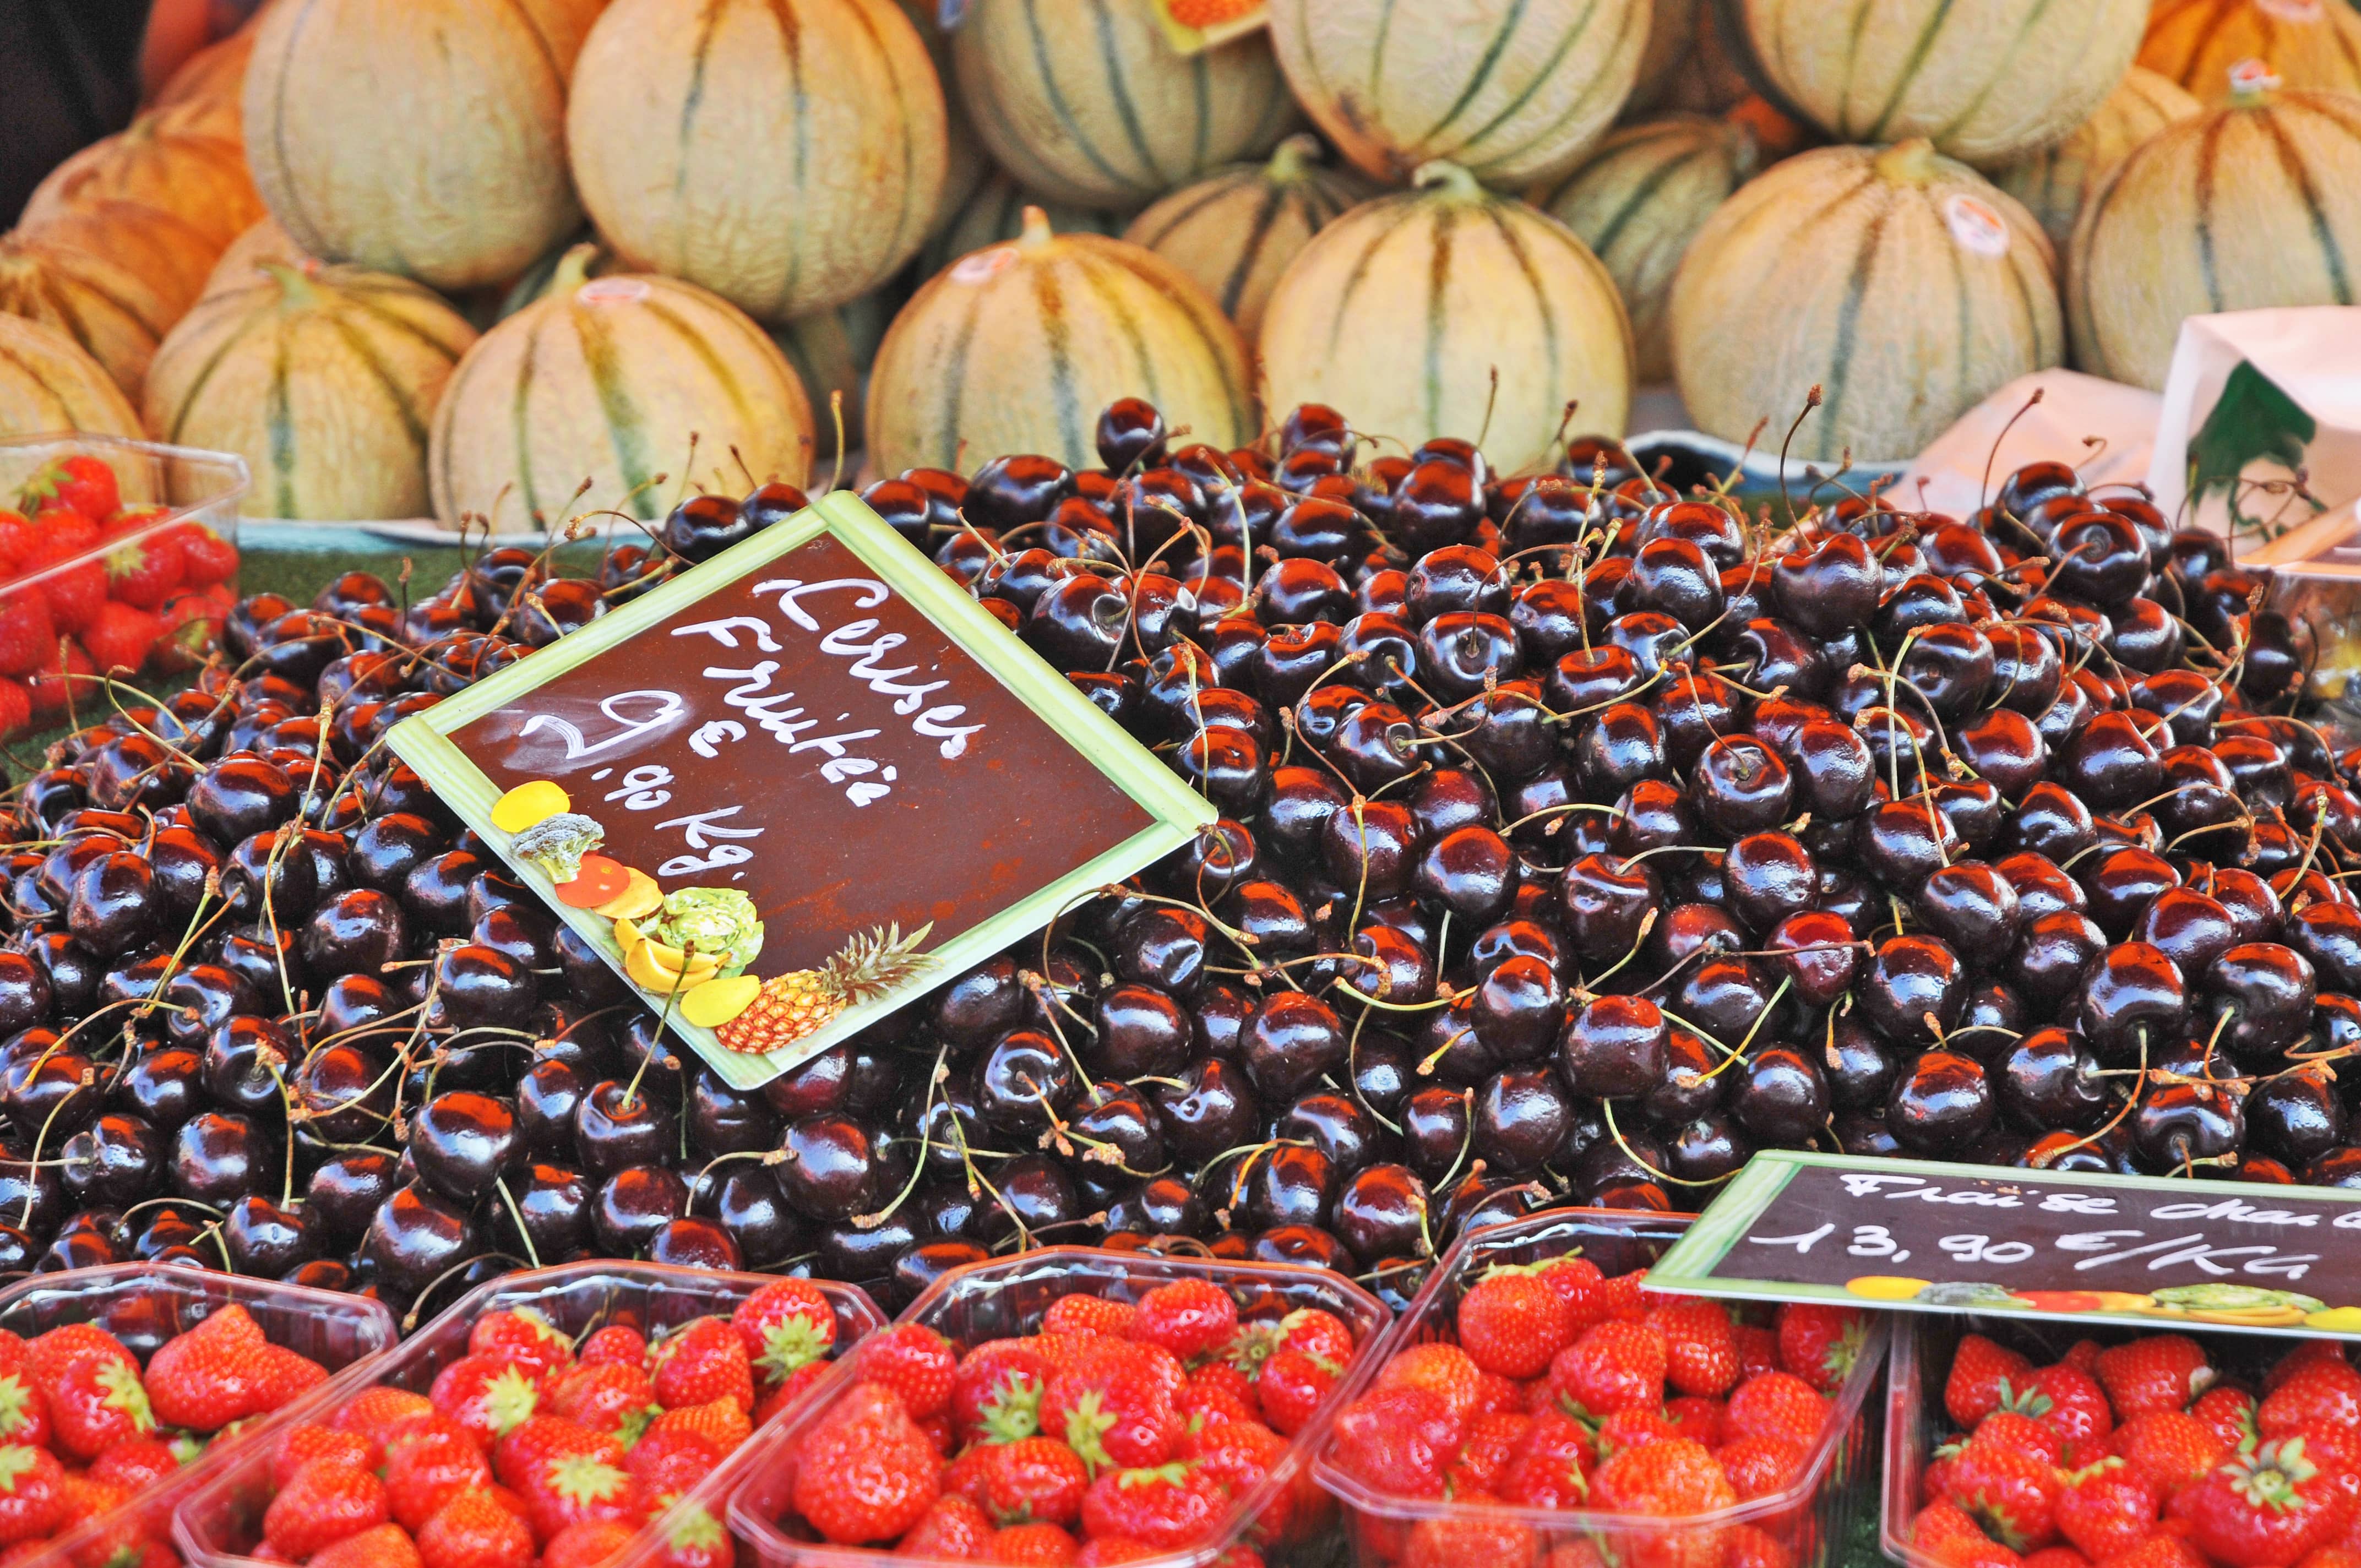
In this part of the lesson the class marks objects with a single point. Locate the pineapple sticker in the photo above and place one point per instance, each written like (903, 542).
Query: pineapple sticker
(795, 1006)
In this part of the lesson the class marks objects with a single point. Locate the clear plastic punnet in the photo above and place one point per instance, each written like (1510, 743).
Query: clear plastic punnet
(145, 1304)
(220, 1524)
(1811, 1520)
(1006, 1299)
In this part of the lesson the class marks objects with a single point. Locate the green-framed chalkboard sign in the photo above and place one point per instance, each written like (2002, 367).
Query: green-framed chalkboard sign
(823, 720)
(1921, 1236)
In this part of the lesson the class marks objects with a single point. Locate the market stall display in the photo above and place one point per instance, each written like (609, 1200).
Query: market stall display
(1236, 230)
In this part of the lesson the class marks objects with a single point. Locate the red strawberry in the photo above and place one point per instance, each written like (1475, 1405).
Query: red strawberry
(1942, 1533)
(23, 1414)
(1758, 1466)
(27, 639)
(1480, 1464)
(80, 483)
(387, 1546)
(588, 1544)
(605, 1396)
(1112, 1408)
(2324, 1391)
(997, 1392)
(1979, 1369)
(2263, 1509)
(574, 1487)
(2011, 1493)
(2171, 1449)
(524, 1339)
(2311, 1352)
(1758, 1352)
(1399, 1439)
(97, 1402)
(1168, 1508)
(1293, 1387)
(119, 637)
(1217, 1388)
(2010, 1430)
(1552, 1467)
(285, 1375)
(476, 1529)
(2158, 1372)
(694, 1538)
(1775, 1404)
(702, 1361)
(1633, 1428)
(489, 1398)
(67, 677)
(1033, 1480)
(954, 1529)
(1667, 1479)
(17, 541)
(143, 571)
(1821, 1344)
(1079, 1314)
(206, 557)
(379, 1413)
(786, 1325)
(2229, 1414)
(1615, 1366)
(864, 1472)
(1443, 1369)
(1514, 1322)
(2104, 1510)
(789, 1393)
(1316, 1333)
(523, 1458)
(136, 1464)
(32, 1496)
(211, 1376)
(664, 1465)
(1189, 1317)
(428, 1464)
(320, 1505)
(72, 582)
(15, 706)
(1697, 1419)
(1701, 1354)
(720, 1423)
(1477, 1536)
(915, 1363)
(625, 1346)
(2072, 1404)
(1033, 1546)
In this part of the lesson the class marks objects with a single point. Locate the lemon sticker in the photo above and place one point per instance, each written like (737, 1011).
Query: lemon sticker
(528, 804)
(1886, 1287)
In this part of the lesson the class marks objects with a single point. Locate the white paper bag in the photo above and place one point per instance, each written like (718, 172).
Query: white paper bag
(2103, 428)
(2256, 398)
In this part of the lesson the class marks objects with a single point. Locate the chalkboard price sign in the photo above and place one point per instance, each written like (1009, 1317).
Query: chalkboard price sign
(1953, 1238)
(812, 757)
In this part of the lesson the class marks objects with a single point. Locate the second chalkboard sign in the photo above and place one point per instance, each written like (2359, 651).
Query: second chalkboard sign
(797, 787)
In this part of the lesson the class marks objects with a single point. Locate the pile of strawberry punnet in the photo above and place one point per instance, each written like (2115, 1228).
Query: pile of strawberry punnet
(2145, 1455)
(126, 597)
(527, 1450)
(1570, 1391)
(1116, 1433)
(83, 1431)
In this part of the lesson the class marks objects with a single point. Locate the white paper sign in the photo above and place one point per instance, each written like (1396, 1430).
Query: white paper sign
(2255, 398)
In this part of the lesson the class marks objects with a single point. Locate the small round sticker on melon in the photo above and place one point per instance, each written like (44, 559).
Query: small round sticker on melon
(984, 264)
(600, 881)
(611, 292)
(2251, 76)
(1975, 227)
(528, 804)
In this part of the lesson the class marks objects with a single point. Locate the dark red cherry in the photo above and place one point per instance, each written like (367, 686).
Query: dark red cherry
(1939, 1105)
(1781, 1097)
(1913, 990)
(1602, 906)
(1829, 588)
(2133, 1000)
(1970, 906)
(1901, 843)
(2049, 1079)
(1769, 877)
(2267, 991)
(1613, 1047)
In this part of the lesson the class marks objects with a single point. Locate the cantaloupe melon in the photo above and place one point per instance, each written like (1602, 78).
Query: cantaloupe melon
(1512, 91)
(839, 97)
(172, 258)
(2252, 203)
(994, 214)
(1986, 83)
(323, 378)
(1404, 310)
(110, 311)
(640, 387)
(966, 163)
(2054, 182)
(1017, 348)
(2306, 43)
(166, 159)
(1637, 200)
(1900, 283)
(1086, 102)
(49, 386)
(426, 138)
(266, 243)
(1236, 230)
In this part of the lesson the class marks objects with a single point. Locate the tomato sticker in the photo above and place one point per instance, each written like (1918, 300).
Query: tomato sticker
(1976, 228)
(2253, 76)
(984, 264)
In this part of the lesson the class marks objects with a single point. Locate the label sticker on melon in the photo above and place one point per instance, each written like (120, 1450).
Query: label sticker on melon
(613, 292)
(984, 264)
(2293, 10)
(1976, 228)
(1194, 25)
(2253, 76)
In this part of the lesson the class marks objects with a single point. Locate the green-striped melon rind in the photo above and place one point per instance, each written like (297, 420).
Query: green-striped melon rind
(1872, 277)
(1018, 349)
(2246, 206)
(2054, 182)
(1086, 104)
(325, 381)
(112, 314)
(1637, 200)
(615, 383)
(994, 214)
(788, 155)
(1986, 83)
(1400, 312)
(2197, 43)
(1236, 230)
(1512, 91)
(966, 164)
(47, 385)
